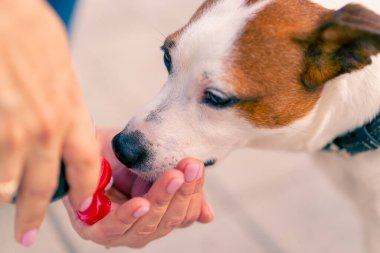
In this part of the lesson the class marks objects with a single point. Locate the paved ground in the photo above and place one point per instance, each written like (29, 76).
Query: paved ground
(266, 202)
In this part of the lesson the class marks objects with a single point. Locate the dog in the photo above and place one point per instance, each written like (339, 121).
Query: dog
(277, 74)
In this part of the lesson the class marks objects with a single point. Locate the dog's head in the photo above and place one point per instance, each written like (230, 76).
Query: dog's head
(245, 72)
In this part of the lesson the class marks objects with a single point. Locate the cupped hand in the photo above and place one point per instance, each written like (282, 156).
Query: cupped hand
(175, 200)
(42, 115)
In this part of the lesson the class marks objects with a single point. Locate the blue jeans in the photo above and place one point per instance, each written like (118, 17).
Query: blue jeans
(64, 9)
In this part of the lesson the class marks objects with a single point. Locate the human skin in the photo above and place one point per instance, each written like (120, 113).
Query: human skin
(176, 200)
(45, 120)
(43, 115)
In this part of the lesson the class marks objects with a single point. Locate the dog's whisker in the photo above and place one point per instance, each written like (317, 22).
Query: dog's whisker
(159, 32)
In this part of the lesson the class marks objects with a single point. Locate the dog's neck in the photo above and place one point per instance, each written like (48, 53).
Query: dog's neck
(347, 103)
(363, 139)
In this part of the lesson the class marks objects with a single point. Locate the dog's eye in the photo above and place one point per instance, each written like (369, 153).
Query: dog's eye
(167, 60)
(217, 99)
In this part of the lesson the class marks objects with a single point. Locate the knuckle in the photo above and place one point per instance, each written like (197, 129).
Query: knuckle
(173, 223)
(46, 130)
(13, 141)
(88, 159)
(41, 192)
(186, 192)
(146, 230)
(125, 221)
(161, 202)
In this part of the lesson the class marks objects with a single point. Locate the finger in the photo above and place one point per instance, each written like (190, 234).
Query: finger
(195, 205)
(38, 185)
(11, 161)
(207, 213)
(119, 220)
(77, 224)
(178, 209)
(114, 225)
(81, 155)
(160, 196)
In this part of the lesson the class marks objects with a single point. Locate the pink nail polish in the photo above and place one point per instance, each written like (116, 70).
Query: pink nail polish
(191, 172)
(174, 185)
(29, 238)
(85, 205)
(140, 212)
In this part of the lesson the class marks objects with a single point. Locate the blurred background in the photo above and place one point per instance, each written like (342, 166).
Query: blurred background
(265, 202)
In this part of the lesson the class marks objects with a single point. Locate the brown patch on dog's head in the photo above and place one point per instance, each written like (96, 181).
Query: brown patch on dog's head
(343, 43)
(280, 75)
(267, 64)
(288, 51)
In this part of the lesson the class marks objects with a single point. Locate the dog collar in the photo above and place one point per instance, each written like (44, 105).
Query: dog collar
(363, 139)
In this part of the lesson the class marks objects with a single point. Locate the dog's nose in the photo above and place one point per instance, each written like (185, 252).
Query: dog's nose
(131, 149)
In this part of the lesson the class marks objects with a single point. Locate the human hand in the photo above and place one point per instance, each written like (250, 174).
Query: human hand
(175, 200)
(42, 115)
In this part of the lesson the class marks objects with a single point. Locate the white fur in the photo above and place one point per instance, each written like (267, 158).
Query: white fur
(347, 102)
(189, 128)
(207, 43)
(183, 126)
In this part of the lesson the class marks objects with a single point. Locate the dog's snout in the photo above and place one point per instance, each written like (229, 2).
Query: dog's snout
(131, 149)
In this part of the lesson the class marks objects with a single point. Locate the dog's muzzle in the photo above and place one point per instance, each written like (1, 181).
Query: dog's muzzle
(133, 150)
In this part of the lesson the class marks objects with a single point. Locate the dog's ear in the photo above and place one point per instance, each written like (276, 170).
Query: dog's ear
(344, 42)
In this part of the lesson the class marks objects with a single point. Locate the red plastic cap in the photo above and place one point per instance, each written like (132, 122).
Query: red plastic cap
(101, 204)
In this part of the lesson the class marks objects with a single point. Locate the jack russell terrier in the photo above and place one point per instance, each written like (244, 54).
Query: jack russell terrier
(279, 74)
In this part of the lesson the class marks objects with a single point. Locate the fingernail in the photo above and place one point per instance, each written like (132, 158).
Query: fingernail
(85, 205)
(191, 172)
(174, 185)
(200, 174)
(29, 238)
(141, 212)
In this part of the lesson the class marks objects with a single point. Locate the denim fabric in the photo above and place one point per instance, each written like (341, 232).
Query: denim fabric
(64, 9)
